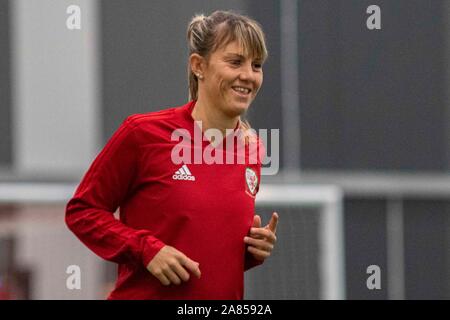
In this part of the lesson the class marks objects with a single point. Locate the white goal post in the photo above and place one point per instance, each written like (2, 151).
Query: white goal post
(328, 199)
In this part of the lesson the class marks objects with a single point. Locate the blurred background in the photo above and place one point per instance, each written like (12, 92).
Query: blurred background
(364, 119)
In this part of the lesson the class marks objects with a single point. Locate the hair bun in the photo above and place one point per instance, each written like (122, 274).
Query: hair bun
(196, 24)
(198, 18)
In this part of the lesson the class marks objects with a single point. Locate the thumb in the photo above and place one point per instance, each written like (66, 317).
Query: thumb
(256, 221)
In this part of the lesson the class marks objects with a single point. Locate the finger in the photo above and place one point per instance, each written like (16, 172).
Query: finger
(192, 266)
(173, 278)
(181, 272)
(256, 221)
(162, 278)
(263, 232)
(259, 244)
(258, 254)
(273, 222)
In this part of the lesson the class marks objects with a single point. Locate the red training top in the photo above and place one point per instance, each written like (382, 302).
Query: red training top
(203, 210)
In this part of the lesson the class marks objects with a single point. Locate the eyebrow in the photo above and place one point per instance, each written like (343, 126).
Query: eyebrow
(237, 55)
(234, 54)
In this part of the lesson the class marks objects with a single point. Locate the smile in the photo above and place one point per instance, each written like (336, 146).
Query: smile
(241, 90)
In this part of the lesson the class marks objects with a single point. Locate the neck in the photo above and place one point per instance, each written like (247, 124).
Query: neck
(212, 117)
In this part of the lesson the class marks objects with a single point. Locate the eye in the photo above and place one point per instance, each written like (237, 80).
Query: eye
(257, 65)
(235, 62)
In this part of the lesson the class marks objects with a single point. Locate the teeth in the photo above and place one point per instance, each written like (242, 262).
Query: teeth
(240, 89)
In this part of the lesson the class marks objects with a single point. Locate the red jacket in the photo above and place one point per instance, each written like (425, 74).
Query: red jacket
(205, 217)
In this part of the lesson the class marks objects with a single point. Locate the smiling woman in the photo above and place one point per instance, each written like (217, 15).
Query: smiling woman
(183, 219)
(227, 52)
(230, 80)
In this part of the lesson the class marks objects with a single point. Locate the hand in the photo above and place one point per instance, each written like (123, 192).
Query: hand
(262, 240)
(169, 264)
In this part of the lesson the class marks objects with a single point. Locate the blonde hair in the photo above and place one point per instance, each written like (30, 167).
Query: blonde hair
(207, 34)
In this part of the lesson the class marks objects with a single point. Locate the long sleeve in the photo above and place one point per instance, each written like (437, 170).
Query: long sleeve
(250, 261)
(108, 181)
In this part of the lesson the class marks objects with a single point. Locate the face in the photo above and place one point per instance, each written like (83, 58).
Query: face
(230, 80)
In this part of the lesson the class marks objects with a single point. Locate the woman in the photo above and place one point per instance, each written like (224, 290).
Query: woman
(183, 219)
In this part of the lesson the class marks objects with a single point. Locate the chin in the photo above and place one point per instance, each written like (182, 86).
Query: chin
(238, 109)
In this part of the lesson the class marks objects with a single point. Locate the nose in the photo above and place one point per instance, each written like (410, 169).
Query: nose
(247, 73)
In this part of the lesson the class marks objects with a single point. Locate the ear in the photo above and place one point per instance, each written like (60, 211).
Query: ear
(197, 63)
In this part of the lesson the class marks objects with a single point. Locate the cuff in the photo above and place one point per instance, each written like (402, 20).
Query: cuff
(250, 261)
(151, 248)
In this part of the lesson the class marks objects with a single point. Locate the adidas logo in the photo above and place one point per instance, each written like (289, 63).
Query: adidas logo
(183, 174)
